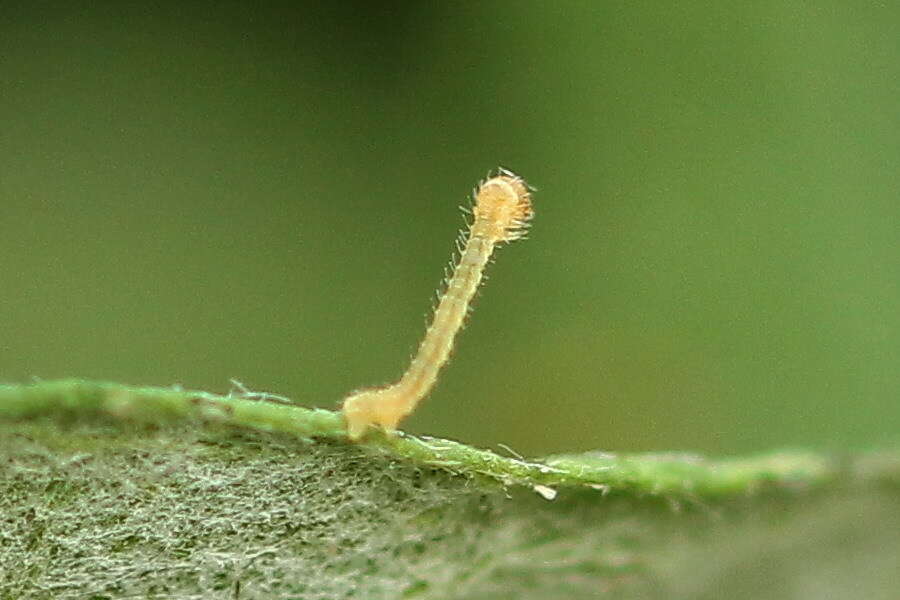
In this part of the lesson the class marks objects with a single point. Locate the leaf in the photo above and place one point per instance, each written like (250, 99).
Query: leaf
(108, 491)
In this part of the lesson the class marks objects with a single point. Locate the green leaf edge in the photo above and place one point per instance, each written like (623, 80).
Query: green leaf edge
(672, 475)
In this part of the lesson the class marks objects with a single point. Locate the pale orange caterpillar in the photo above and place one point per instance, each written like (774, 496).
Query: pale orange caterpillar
(501, 212)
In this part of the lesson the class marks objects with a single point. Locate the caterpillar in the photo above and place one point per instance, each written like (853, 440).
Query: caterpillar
(502, 212)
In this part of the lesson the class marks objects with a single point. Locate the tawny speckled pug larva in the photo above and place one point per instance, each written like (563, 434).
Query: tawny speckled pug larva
(502, 212)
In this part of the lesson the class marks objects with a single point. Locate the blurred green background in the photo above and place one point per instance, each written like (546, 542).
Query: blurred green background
(190, 194)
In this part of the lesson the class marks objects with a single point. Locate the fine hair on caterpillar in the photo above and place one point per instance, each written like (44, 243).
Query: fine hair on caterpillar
(501, 213)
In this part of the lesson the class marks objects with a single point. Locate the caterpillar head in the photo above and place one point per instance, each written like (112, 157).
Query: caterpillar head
(503, 205)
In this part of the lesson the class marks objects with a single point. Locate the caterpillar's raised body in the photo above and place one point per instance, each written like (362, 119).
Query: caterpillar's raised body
(502, 212)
